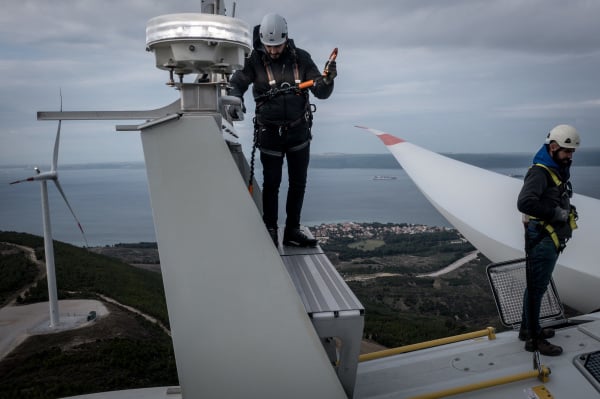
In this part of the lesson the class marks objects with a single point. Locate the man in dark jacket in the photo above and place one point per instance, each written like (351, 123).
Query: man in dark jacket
(549, 221)
(283, 118)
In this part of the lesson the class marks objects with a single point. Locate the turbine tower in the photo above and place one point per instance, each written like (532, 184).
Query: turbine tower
(43, 177)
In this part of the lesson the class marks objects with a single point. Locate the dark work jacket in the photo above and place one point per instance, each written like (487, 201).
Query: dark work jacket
(539, 195)
(283, 108)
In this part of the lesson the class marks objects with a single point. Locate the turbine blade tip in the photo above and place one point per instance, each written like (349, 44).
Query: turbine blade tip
(386, 138)
(389, 139)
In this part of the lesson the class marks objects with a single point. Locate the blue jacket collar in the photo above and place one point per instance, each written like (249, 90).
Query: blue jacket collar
(543, 157)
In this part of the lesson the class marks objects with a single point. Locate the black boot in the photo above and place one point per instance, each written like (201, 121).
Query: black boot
(544, 333)
(273, 234)
(297, 238)
(544, 347)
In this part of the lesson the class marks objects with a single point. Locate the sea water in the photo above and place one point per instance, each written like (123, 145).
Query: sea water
(113, 205)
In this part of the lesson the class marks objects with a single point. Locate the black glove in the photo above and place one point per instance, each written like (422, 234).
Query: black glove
(236, 112)
(331, 72)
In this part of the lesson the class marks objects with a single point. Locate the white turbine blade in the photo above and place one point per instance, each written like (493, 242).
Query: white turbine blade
(39, 176)
(477, 202)
(56, 142)
(481, 204)
(71, 209)
(22, 180)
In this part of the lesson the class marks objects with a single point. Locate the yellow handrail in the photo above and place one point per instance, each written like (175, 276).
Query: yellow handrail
(490, 332)
(542, 375)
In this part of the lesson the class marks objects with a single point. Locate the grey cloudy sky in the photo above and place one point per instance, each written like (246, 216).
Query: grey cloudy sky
(449, 75)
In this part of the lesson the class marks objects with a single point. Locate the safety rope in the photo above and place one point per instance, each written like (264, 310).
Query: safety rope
(254, 145)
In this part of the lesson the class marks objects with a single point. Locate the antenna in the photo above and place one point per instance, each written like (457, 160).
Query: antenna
(213, 7)
(43, 177)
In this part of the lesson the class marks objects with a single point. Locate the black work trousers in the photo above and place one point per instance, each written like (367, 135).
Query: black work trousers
(294, 145)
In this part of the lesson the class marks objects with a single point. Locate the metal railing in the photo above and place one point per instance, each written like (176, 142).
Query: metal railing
(489, 332)
(542, 375)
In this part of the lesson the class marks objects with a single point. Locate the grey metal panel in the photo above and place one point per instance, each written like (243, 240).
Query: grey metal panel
(244, 168)
(592, 329)
(319, 285)
(239, 328)
(172, 108)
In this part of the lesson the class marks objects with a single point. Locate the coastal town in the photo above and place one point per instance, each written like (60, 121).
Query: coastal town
(362, 231)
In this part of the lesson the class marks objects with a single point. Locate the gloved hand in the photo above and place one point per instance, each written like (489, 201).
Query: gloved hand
(331, 68)
(560, 215)
(236, 112)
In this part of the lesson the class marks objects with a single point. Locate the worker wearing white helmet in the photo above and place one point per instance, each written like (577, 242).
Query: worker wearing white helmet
(549, 219)
(284, 115)
(273, 30)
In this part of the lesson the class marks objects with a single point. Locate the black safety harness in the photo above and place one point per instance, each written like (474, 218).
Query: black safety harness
(281, 126)
(565, 189)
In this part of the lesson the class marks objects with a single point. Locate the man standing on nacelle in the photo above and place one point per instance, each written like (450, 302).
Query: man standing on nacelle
(549, 222)
(282, 127)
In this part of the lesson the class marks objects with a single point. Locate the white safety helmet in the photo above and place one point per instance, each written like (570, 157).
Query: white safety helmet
(565, 136)
(273, 30)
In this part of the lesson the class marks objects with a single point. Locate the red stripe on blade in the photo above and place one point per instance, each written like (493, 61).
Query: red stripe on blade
(388, 139)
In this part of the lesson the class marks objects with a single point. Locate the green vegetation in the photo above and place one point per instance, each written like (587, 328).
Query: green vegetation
(401, 244)
(367, 245)
(120, 351)
(89, 274)
(124, 351)
(404, 309)
(15, 271)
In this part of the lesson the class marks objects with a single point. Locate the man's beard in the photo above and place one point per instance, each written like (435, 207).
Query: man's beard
(564, 163)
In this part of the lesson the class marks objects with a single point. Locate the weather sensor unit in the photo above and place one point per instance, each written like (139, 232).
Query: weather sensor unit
(198, 43)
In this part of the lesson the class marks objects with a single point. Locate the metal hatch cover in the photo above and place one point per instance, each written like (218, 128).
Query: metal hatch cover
(507, 280)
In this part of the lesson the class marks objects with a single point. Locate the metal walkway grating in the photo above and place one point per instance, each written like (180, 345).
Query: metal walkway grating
(320, 286)
(508, 282)
(334, 310)
(589, 365)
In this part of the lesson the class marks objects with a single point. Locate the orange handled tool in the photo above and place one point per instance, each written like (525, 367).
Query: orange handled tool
(332, 58)
(306, 84)
(311, 83)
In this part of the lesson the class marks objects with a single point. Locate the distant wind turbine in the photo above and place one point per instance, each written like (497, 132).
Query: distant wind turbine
(43, 177)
